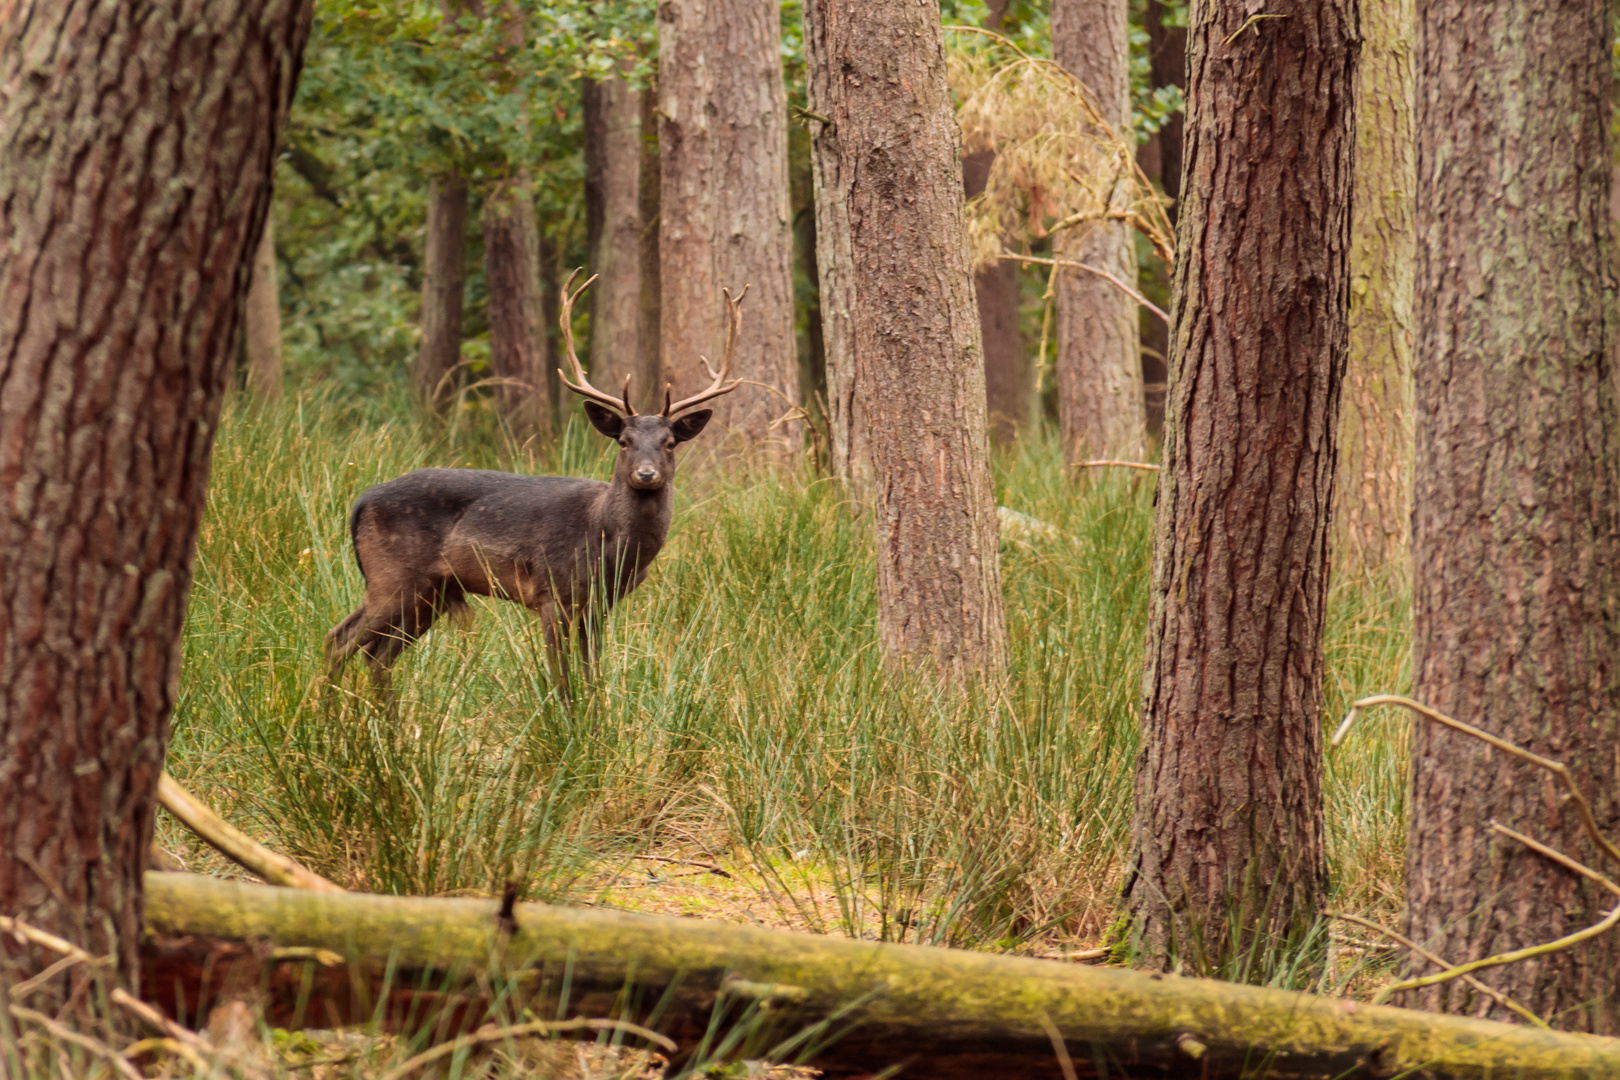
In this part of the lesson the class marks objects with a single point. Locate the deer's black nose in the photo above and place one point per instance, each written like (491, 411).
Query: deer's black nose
(647, 475)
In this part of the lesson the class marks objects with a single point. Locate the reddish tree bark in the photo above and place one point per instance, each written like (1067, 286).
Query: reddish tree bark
(444, 282)
(890, 193)
(1516, 526)
(1228, 827)
(263, 318)
(136, 147)
(1099, 361)
(723, 203)
(1008, 374)
(613, 213)
(518, 352)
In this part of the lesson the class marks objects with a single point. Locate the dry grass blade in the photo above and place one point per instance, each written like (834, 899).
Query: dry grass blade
(1059, 164)
(1557, 768)
(67, 1035)
(1583, 809)
(518, 1031)
(1163, 315)
(1401, 939)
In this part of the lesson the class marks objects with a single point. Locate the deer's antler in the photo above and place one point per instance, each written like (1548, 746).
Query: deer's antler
(583, 386)
(719, 385)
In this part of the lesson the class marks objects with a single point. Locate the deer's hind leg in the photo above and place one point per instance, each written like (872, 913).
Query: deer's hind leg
(382, 631)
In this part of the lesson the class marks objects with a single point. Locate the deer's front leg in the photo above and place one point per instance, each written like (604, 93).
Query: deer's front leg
(554, 625)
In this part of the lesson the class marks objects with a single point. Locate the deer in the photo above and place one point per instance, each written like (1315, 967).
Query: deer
(567, 549)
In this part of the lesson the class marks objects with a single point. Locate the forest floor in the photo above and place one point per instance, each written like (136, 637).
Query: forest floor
(743, 755)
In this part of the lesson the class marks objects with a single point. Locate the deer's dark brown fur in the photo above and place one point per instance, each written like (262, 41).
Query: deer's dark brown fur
(567, 549)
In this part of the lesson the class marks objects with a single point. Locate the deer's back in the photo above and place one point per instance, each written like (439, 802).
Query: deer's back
(473, 525)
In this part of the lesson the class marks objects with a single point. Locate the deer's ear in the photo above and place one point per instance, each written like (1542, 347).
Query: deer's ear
(605, 420)
(688, 426)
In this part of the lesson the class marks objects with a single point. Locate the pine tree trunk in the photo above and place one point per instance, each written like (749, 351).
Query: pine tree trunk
(1167, 66)
(517, 337)
(877, 72)
(1374, 513)
(1099, 361)
(846, 422)
(1228, 825)
(444, 279)
(649, 310)
(136, 148)
(724, 204)
(1008, 375)
(263, 318)
(613, 188)
(1515, 541)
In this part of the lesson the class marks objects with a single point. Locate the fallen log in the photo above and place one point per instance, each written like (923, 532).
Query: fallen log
(328, 959)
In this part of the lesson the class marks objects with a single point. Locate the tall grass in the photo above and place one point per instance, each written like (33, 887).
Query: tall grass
(741, 712)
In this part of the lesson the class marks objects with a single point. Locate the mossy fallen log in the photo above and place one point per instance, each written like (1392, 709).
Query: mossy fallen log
(327, 959)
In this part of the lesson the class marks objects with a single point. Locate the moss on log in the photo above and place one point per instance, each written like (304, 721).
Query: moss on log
(323, 959)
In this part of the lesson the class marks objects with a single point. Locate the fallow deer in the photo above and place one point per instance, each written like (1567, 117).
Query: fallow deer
(567, 549)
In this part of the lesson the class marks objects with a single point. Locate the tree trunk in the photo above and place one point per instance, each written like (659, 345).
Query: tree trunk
(444, 279)
(846, 421)
(263, 317)
(1167, 66)
(1099, 361)
(1374, 513)
(1515, 541)
(137, 144)
(724, 201)
(649, 310)
(613, 170)
(518, 355)
(1228, 824)
(426, 966)
(1008, 375)
(877, 72)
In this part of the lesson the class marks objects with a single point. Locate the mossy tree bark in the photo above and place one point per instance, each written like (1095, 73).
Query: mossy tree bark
(519, 352)
(136, 148)
(723, 202)
(263, 318)
(1228, 827)
(877, 73)
(1374, 512)
(426, 966)
(1099, 360)
(1516, 540)
(613, 212)
(444, 282)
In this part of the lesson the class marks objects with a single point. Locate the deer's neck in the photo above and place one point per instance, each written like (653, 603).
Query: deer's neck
(637, 521)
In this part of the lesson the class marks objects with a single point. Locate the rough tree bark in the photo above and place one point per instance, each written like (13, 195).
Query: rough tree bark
(518, 353)
(613, 212)
(846, 420)
(444, 280)
(724, 221)
(1167, 66)
(1515, 541)
(877, 73)
(1374, 512)
(263, 318)
(136, 148)
(649, 314)
(1228, 824)
(1008, 375)
(1099, 361)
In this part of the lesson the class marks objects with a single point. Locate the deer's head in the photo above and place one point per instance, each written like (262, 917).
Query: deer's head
(647, 441)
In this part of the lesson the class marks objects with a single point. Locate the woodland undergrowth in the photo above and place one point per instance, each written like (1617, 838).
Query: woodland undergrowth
(743, 754)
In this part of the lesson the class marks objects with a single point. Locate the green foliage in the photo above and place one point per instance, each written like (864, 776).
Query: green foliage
(742, 712)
